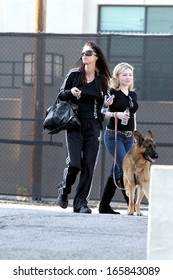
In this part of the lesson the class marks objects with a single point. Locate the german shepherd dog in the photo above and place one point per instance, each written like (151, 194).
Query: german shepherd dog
(136, 169)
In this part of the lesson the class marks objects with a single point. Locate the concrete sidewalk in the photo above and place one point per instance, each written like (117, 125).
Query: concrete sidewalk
(47, 232)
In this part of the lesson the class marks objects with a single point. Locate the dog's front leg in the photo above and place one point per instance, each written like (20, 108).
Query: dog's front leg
(130, 210)
(140, 194)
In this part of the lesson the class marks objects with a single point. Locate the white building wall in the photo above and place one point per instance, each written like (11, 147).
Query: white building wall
(17, 15)
(63, 16)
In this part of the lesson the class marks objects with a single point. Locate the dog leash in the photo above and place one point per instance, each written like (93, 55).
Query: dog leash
(115, 151)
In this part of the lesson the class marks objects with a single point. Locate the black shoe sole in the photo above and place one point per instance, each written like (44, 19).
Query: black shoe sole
(83, 210)
(63, 205)
(116, 213)
(107, 210)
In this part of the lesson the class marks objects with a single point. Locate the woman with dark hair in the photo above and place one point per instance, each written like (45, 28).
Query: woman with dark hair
(86, 86)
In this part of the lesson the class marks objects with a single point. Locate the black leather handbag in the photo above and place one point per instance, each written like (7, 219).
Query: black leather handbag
(61, 116)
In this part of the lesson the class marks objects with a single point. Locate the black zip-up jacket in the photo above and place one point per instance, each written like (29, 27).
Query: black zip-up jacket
(73, 79)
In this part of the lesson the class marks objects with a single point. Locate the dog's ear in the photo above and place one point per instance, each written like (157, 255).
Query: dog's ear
(139, 138)
(149, 134)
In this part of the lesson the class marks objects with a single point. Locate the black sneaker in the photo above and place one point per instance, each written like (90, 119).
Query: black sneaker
(63, 200)
(84, 210)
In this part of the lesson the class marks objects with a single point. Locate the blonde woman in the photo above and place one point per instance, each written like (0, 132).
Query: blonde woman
(121, 85)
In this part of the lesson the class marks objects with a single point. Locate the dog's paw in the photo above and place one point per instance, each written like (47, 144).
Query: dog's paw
(139, 214)
(130, 210)
(130, 213)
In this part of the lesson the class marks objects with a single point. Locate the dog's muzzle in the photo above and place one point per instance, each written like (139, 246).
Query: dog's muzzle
(152, 158)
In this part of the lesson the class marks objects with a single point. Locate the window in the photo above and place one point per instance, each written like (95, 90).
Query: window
(53, 67)
(121, 19)
(10, 74)
(160, 20)
(135, 19)
(29, 69)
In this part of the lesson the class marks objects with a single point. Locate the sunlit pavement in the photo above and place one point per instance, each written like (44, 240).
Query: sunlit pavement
(40, 231)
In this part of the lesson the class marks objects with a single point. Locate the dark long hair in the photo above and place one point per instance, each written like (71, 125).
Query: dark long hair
(102, 65)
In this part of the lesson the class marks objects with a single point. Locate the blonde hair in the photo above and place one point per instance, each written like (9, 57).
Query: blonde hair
(118, 69)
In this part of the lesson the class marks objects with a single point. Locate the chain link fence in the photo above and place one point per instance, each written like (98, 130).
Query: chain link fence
(32, 69)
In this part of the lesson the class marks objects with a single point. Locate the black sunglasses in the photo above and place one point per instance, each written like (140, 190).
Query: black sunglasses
(88, 53)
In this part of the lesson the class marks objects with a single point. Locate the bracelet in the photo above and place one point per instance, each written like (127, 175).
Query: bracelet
(111, 114)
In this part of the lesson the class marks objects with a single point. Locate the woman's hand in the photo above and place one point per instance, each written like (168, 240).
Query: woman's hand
(123, 116)
(108, 100)
(76, 92)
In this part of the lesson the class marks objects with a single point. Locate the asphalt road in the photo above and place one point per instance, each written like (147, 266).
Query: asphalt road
(47, 232)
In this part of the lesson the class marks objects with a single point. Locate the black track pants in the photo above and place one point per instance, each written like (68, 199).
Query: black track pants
(83, 147)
